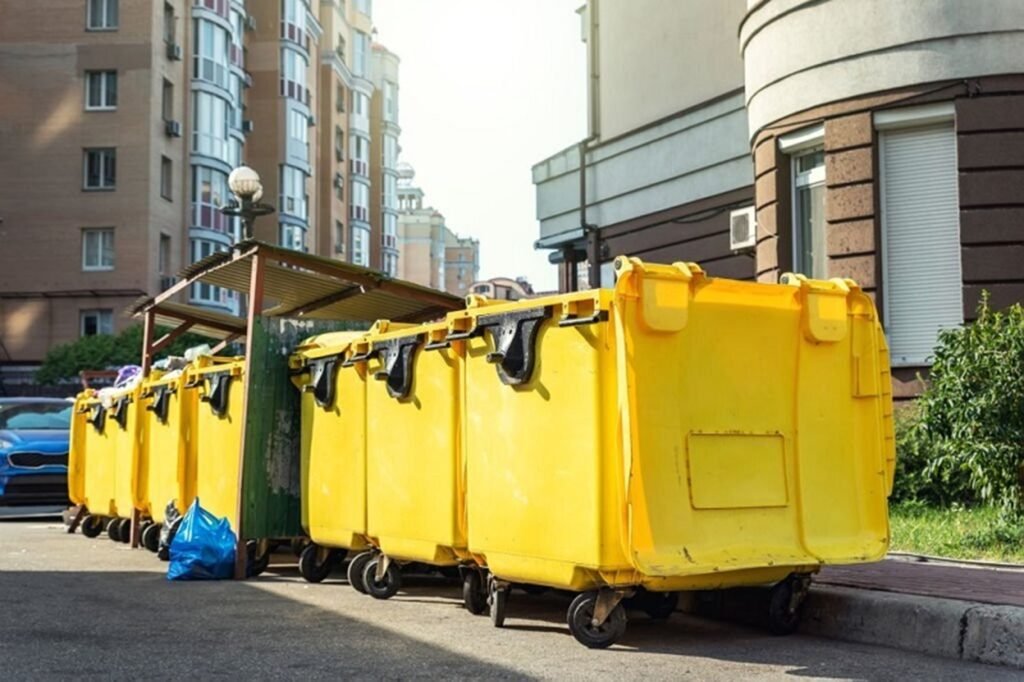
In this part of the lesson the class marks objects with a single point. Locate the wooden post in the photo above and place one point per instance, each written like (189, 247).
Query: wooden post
(256, 281)
(148, 331)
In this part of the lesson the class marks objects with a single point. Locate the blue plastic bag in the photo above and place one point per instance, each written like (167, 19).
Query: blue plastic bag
(203, 548)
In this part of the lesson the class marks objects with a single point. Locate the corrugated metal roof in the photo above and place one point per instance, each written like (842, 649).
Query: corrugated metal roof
(301, 285)
(205, 322)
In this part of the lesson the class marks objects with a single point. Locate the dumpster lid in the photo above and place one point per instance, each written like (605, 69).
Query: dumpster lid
(301, 285)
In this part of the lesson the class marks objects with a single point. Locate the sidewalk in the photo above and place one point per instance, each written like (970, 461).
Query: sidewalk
(940, 608)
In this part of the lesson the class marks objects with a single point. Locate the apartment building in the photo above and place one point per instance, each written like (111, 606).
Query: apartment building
(121, 122)
(384, 149)
(873, 139)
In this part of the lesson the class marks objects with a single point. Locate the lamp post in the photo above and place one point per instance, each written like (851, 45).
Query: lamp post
(245, 184)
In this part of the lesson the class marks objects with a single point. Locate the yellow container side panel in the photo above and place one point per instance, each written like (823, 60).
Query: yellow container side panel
(124, 439)
(162, 464)
(100, 455)
(413, 460)
(215, 446)
(76, 450)
(544, 484)
(334, 462)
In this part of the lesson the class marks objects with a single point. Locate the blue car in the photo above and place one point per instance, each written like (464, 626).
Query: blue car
(34, 435)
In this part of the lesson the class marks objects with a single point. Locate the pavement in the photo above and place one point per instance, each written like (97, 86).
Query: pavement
(70, 606)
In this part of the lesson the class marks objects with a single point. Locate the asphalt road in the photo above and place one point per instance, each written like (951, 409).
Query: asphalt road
(74, 607)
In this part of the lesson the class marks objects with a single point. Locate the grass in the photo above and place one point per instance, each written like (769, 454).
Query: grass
(959, 533)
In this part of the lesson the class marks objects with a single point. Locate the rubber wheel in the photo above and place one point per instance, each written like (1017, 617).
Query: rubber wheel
(297, 545)
(255, 565)
(91, 526)
(316, 562)
(783, 615)
(581, 615)
(125, 533)
(151, 537)
(497, 598)
(114, 530)
(388, 586)
(355, 571)
(474, 598)
(660, 605)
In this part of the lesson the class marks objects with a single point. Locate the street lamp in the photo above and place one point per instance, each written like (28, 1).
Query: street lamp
(245, 184)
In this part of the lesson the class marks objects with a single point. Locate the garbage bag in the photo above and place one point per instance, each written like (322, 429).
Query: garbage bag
(203, 548)
(172, 519)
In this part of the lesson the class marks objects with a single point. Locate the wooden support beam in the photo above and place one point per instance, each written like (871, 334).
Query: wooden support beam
(170, 336)
(148, 324)
(224, 344)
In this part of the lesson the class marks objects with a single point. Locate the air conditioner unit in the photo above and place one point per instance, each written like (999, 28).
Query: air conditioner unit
(172, 128)
(247, 125)
(338, 180)
(250, 23)
(339, 155)
(339, 249)
(311, 120)
(742, 229)
(174, 52)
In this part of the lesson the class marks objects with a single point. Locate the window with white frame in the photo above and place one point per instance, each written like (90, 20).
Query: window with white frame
(235, 108)
(359, 153)
(390, 102)
(390, 192)
(234, 152)
(100, 168)
(293, 191)
(922, 277)
(360, 103)
(360, 245)
(96, 321)
(360, 201)
(203, 292)
(293, 75)
(236, 50)
(360, 53)
(101, 15)
(298, 132)
(166, 178)
(209, 125)
(390, 151)
(209, 192)
(293, 237)
(220, 7)
(805, 148)
(210, 54)
(101, 90)
(98, 249)
(293, 19)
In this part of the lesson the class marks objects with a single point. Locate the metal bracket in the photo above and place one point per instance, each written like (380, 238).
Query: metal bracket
(121, 410)
(514, 336)
(571, 321)
(397, 356)
(356, 358)
(217, 393)
(161, 401)
(322, 373)
(607, 600)
(383, 563)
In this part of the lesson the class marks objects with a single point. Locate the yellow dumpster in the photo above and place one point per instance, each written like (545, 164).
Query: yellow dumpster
(333, 449)
(679, 432)
(104, 445)
(414, 480)
(161, 476)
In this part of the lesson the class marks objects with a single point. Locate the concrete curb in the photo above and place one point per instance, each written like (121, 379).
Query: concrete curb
(968, 631)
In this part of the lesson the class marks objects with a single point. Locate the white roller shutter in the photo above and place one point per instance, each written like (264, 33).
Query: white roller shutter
(921, 239)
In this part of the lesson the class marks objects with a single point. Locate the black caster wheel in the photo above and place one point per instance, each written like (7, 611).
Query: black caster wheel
(151, 537)
(114, 530)
(91, 526)
(356, 567)
(125, 532)
(474, 597)
(785, 602)
(256, 563)
(659, 605)
(386, 587)
(297, 545)
(497, 598)
(316, 563)
(581, 625)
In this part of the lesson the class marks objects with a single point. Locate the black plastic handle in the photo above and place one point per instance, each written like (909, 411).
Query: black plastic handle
(217, 392)
(397, 356)
(514, 336)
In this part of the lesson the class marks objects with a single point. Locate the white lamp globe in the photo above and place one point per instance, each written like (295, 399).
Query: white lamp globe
(245, 182)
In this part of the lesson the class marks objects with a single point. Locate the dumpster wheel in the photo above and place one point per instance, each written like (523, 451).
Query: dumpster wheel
(151, 537)
(497, 598)
(584, 626)
(92, 526)
(385, 584)
(474, 596)
(256, 562)
(785, 602)
(114, 529)
(316, 562)
(355, 571)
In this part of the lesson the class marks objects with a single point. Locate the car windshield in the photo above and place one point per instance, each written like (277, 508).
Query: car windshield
(36, 415)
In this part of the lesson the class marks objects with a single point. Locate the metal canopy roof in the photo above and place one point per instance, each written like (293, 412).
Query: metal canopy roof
(203, 321)
(300, 285)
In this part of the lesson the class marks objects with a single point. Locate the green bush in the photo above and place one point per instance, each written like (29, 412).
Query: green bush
(963, 442)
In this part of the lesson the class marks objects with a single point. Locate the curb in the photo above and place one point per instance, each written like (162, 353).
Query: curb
(949, 628)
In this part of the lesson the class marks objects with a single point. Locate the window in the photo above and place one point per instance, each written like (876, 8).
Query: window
(210, 55)
(390, 102)
(360, 50)
(360, 200)
(360, 104)
(339, 144)
(293, 192)
(100, 168)
(166, 181)
(390, 151)
(340, 48)
(364, 7)
(922, 280)
(234, 152)
(339, 186)
(217, 6)
(293, 237)
(339, 237)
(101, 15)
(809, 257)
(236, 50)
(209, 192)
(202, 292)
(100, 90)
(298, 133)
(293, 75)
(390, 192)
(293, 26)
(167, 100)
(98, 249)
(169, 23)
(360, 154)
(360, 238)
(209, 125)
(340, 96)
(93, 322)
(164, 256)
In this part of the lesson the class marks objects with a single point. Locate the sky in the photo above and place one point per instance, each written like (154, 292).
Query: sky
(487, 88)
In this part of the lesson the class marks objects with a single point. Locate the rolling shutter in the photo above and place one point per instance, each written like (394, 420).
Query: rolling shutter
(921, 239)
